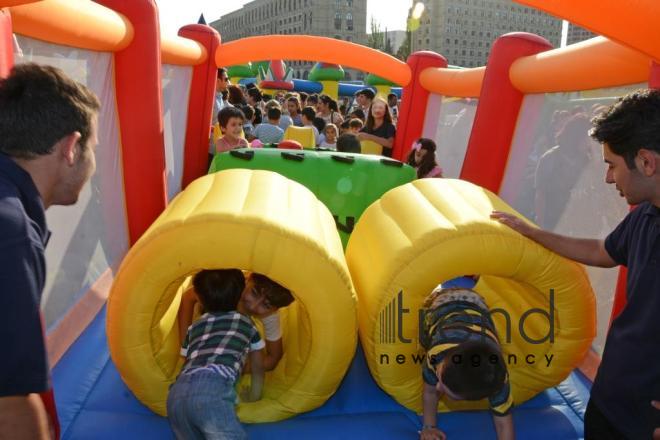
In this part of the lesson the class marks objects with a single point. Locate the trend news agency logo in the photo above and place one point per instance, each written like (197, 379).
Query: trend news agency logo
(392, 316)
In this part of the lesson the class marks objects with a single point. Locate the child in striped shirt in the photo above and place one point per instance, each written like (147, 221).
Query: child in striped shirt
(463, 359)
(200, 403)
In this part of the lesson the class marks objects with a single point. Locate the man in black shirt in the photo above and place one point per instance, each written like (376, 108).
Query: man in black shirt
(47, 141)
(628, 378)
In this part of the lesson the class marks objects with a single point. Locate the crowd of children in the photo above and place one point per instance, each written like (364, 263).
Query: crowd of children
(265, 118)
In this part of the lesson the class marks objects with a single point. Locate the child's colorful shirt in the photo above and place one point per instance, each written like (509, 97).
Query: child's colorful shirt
(222, 340)
(454, 316)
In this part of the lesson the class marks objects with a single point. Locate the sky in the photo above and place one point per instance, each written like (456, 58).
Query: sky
(391, 14)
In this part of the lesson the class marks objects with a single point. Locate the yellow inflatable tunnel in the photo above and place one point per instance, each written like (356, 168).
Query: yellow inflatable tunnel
(433, 230)
(257, 221)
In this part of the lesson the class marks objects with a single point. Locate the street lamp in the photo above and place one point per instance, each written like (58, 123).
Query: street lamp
(413, 22)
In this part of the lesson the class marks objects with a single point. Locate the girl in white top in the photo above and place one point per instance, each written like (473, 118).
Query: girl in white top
(330, 141)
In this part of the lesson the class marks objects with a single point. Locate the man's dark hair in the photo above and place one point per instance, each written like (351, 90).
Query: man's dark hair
(222, 72)
(236, 96)
(309, 113)
(248, 111)
(303, 96)
(255, 94)
(226, 113)
(276, 294)
(630, 124)
(40, 105)
(348, 143)
(366, 92)
(274, 113)
(474, 370)
(219, 290)
(359, 114)
(319, 123)
(312, 99)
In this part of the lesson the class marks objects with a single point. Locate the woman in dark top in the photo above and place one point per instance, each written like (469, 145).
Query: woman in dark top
(379, 127)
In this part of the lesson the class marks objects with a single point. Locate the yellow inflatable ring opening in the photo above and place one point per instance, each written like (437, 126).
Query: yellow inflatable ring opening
(257, 221)
(433, 230)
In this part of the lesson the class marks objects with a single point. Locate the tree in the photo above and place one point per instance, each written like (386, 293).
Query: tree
(404, 50)
(376, 39)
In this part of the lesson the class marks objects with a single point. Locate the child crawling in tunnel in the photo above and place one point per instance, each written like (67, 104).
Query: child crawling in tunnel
(200, 404)
(463, 359)
(216, 347)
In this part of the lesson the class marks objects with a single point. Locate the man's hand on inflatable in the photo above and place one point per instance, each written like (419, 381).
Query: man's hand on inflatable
(433, 434)
(515, 223)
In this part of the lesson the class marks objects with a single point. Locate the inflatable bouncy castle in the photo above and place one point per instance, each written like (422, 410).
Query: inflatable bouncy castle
(355, 238)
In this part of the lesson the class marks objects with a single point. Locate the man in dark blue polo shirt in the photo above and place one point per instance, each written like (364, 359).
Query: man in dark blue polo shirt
(47, 142)
(628, 378)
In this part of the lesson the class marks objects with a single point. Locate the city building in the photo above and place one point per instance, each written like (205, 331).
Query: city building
(341, 19)
(577, 34)
(464, 30)
(397, 38)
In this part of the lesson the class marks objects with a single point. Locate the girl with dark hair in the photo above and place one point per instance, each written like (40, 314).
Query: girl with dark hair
(379, 126)
(294, 108)
(327, 109)
(422, 158)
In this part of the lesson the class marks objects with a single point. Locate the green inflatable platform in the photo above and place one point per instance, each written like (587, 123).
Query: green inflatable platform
(347, 183)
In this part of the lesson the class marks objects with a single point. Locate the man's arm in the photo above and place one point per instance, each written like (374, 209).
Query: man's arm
(586, 251)
(430, 399)
(24, 368)
(23, 418)
(504, 427)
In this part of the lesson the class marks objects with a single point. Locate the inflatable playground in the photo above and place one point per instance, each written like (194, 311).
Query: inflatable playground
(358, 241)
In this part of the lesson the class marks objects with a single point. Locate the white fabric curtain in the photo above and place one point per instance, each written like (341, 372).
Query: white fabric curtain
(91, 236)
(559, 181)
(176, 90)
(449, 123)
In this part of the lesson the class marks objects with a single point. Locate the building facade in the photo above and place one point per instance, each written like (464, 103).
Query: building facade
(397, 38)
(341, 19)
(463, 31)
(577, 34)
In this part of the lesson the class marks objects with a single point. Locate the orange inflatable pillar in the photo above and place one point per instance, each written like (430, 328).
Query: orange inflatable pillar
(139, 106)
(497, 113)
(414, 99)
(6, 43)
(200, 103)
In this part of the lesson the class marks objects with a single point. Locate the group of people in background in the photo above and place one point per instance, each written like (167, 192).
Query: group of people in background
(246, 116)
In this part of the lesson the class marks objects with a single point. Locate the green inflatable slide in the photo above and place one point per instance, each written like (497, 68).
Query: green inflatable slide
(346, 183)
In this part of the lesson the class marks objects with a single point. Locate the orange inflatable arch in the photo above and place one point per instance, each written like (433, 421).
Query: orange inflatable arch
(312, 48)
(99, 28)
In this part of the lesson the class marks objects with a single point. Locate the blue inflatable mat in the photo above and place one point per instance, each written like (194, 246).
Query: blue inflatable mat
(93, 402)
